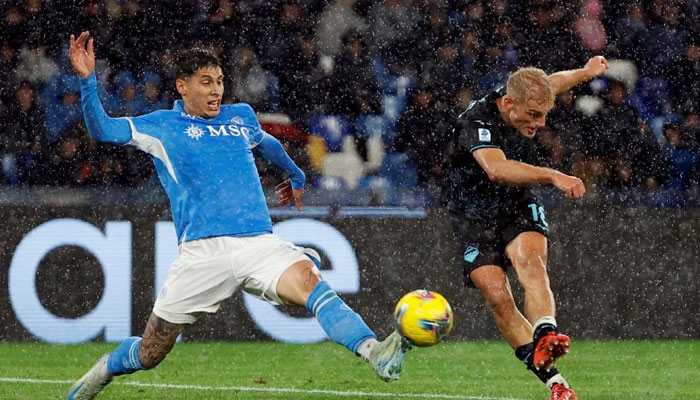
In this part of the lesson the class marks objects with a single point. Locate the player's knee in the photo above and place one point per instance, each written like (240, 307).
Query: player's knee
(534, 268)
(529, 248)
(531, 261)
(308, 285)
(306, 276)
(297, 283)
(530, 254)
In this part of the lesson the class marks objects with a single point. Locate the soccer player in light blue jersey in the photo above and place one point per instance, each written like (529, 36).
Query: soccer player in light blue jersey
(204, 156)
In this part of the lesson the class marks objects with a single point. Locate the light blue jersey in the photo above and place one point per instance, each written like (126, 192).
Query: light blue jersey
(206, 166)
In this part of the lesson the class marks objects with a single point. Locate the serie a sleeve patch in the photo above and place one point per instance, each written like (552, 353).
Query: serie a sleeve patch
(484, 135)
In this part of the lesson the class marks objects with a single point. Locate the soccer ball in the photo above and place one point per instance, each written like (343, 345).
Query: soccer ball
(423, 317)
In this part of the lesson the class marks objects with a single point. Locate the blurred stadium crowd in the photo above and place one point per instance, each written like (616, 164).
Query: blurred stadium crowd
(364, 93)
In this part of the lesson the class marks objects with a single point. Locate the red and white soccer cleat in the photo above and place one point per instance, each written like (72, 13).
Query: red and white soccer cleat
(561, 392)
(549, 348)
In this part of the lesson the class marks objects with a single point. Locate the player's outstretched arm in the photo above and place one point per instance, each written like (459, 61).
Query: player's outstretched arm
(515, 173)
(564, 80)
(100, 126)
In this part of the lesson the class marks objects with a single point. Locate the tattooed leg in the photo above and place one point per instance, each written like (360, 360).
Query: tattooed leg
(158, 339)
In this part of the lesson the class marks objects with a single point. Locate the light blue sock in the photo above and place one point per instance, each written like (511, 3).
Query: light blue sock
(125, 358)
(340, 322)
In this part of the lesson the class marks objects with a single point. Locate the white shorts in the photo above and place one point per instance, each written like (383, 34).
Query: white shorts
(209, 271)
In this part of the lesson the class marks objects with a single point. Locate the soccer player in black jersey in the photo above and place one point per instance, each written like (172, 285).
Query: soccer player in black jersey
(497, 219)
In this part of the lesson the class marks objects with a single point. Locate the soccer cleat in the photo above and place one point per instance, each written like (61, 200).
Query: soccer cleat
(90, 384)
(549, 348)
(561, 392)
(386, 357)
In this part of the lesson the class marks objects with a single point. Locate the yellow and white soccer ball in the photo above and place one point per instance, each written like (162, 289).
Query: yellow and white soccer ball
(424, 317)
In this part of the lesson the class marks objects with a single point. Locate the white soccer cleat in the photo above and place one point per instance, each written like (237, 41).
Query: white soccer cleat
(386, 357)
(90, 384)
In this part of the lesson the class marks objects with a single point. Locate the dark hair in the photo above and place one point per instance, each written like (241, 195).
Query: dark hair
(188, 61)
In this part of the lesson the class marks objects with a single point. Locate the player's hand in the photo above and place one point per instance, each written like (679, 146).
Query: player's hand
(82, 57)
(571, 186)
(286, 193)
(596, 66)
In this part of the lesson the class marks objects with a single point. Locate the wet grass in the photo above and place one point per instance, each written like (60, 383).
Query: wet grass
(599, 370)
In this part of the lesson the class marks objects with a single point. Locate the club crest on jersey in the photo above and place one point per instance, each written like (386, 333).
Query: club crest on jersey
(484, 135)
(194, 131)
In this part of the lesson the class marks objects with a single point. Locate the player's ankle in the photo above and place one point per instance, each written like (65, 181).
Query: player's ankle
(365, 348)
(125, 359)
(543, 326)
(104, 372)
(525, 353)
(557, 379)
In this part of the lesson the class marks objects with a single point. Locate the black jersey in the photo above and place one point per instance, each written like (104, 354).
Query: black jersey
(468, 189)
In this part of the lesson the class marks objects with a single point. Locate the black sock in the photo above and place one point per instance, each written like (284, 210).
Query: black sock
(525, 354)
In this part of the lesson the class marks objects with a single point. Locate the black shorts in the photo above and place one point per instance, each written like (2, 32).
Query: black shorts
(484, 241)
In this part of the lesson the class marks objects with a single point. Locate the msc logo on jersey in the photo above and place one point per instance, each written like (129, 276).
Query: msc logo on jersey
(194, 131)
(229, 130)
(237, 120)
(484, 135)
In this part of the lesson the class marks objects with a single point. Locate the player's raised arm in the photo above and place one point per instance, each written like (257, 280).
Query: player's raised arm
(100, 126)
(515, 173)
(82, 57)
(564, 80)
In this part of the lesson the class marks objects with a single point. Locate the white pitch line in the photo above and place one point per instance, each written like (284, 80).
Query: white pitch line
(268, 389)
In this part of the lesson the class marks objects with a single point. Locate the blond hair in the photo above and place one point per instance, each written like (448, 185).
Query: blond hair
(530, 84)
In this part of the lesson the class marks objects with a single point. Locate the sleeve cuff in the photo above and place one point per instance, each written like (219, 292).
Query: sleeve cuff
(298, 180)
(88, 83)
(483, 146)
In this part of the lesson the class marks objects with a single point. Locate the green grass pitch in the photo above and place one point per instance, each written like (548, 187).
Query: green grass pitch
(598, 370)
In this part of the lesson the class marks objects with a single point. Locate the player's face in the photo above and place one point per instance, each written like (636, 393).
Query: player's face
(528, 116)
(202, 92)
